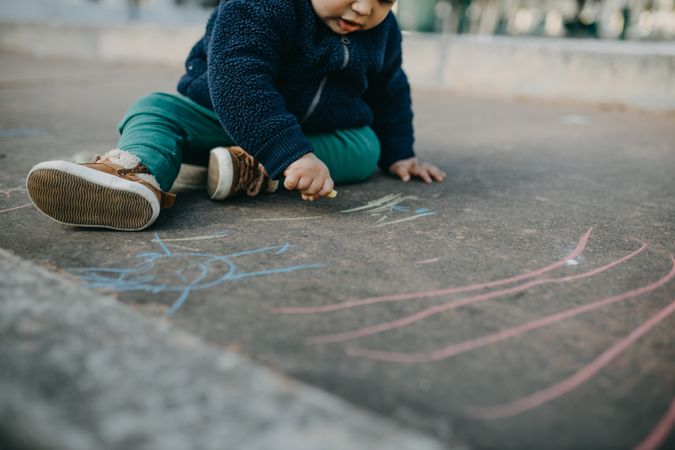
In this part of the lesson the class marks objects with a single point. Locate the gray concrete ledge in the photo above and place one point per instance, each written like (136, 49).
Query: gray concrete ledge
(115, 43)
(635, 74)
(82, 371)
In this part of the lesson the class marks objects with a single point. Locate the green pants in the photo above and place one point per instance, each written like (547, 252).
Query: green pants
(166, 130)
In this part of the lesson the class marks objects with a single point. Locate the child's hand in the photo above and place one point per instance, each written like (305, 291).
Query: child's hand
(406, 168)
(310, 176)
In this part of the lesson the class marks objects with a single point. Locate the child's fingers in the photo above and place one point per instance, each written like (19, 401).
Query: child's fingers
(291, 182)
(327, 187)
(303, 184)
(402, 172)
(429, 172)
(314, 188)
(422, 172)
(437, 173)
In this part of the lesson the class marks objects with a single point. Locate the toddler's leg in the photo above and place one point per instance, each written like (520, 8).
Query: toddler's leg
(164, 130)
(351, 155)
(121, 190)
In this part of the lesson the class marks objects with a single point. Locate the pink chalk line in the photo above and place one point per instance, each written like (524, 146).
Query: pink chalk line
(15, 208)
(660, 432)
(584, 374)
(472, 344)
(8, 192)
(581, 245)
(431, 311)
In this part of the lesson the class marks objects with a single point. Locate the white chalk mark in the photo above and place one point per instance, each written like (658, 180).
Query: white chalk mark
(381, 218)
(406, 219)
(391, 204)
(185, 248)
(197, 238)
(375, 203)
(572, 262)
(427, 261)
(279, 219)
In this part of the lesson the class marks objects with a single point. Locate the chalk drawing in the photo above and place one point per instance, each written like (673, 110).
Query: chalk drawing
(584, 374)
(660, 431)
(536, 399)
(197, 238)
(381, 216)
(472, 344)
(385, 207)
(581, 245)
(380, 204)
(427, 261)
(406, 219)
(281, 219)
(15, 208)
(190, 249)
(8, 193)
(434, 310)
(196, 271)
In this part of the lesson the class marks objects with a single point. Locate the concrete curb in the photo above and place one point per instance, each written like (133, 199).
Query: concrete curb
(635, 74)
(112, 43)
(82, 371)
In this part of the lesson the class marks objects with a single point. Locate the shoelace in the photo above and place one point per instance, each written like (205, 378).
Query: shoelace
(166, 199)
(251, 175)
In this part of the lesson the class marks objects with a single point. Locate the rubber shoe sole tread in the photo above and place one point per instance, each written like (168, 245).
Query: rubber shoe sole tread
(73, 196)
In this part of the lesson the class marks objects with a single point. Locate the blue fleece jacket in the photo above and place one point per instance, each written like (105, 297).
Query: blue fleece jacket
(273, 71)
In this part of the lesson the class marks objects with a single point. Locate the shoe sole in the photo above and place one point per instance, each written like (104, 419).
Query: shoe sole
(76, 195)
(220, 174)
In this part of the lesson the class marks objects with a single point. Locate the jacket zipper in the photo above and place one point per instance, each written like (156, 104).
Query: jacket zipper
(317, 97)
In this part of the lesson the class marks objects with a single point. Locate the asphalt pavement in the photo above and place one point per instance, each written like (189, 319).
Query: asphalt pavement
(524, 303)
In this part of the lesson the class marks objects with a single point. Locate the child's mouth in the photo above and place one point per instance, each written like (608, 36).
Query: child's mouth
(348, 25)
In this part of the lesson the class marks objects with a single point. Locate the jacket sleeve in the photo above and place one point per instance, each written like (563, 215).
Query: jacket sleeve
(245, 49)
(389, 98)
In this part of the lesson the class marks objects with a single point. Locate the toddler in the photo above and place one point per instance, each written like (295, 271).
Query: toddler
(307, 91)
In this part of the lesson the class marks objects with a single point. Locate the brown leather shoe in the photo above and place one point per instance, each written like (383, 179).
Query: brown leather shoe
(233, 171)
(99, 194)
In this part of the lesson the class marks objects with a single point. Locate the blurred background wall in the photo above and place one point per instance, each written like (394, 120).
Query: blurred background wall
(603, 19)
(613, 52)
(607, 19)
